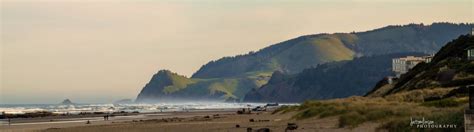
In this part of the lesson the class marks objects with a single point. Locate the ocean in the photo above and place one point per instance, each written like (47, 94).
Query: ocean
(142, 108)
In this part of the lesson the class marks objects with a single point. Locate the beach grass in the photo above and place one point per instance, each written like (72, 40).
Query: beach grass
(393, 115)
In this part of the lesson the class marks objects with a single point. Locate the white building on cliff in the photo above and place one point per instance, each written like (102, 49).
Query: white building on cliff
(472, 31)
(470, 53)
(403, 65)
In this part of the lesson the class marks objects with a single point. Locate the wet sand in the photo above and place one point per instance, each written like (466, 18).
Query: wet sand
(196, 121)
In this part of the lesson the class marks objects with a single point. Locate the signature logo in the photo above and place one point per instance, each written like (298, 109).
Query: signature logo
(423, 123)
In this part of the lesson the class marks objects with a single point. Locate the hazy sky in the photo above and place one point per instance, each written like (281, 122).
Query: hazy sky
(105, 50)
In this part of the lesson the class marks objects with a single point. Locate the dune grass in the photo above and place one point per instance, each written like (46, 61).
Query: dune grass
(448, 102)
(393, 115)
(285, 109)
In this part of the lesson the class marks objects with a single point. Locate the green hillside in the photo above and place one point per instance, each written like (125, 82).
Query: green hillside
(331, 80)
(291, 56)
(317, 50)
(165, 85)
(230, 78)
(449, 70)
(306, 51)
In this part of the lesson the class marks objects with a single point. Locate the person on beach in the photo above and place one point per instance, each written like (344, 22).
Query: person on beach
(106, 117)
(9, 121)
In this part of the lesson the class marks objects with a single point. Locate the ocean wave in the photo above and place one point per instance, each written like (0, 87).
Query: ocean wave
(78, 108)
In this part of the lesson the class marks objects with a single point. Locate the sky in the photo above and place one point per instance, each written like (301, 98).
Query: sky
(100, 51)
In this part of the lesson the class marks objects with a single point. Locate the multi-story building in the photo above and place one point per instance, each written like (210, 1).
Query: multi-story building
(472, 31)
(470, 53)
(403, 65)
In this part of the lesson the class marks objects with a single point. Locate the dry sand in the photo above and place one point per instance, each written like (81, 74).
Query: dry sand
(198, 121)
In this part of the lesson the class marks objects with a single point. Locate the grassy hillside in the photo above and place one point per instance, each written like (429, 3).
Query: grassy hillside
(169, 86)
(326, 81)
(448, 69)
(432, 91)
(291, 56)
(294, 55)
(230, 78)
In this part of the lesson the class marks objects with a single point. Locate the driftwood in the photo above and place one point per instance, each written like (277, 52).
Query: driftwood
(244, 111)
(291, 126)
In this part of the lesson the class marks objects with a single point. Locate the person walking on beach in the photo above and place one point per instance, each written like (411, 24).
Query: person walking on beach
(106, 117)
(9, 121)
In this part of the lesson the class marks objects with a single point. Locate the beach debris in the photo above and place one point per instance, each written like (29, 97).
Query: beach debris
(260, 108)
(237, 126)
(201, 119)
(216, 116)
(244, 111)
(88, 122)
(249, 129)
(254, 120)
(291, 126)
(207, 116)
(263, 130)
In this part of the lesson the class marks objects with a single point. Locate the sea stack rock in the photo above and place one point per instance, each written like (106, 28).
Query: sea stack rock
(67, 102)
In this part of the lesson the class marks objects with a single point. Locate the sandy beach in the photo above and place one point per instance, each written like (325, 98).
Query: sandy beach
(198, 121)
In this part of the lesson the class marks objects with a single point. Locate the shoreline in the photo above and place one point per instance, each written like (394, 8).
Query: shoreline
(215, 120)
(100, 116)
(41, 123)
